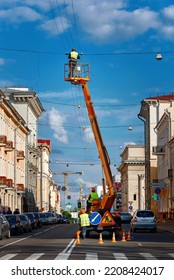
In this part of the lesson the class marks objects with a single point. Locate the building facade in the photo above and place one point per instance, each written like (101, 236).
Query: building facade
(132, 172)
(13, 135)
(158, 133)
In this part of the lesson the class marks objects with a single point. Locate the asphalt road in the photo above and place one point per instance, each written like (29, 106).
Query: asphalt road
(56, 242)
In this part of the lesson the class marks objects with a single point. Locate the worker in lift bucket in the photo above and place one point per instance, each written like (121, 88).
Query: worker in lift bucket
(93, 195)
(73, 56)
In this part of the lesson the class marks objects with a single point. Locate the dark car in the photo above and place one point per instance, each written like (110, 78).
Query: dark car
(38, 219)
(15, 224)
(26, 223)
(31, 216)
(43, 218)
(125, 217)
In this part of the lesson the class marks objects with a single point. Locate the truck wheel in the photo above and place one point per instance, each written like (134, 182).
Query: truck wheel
(88, 233)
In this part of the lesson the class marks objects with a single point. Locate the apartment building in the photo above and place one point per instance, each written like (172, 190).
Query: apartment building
(157, 115)
(132, 170)
(23, 134)
(13, 135)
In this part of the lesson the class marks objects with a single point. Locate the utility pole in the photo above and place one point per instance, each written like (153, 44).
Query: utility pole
(66, 173)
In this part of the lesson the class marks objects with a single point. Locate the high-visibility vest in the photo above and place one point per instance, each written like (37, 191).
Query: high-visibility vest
(84, 220)
(93, 195)
(74, 55)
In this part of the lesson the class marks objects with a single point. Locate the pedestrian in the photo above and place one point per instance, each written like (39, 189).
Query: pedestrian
(84, 222)
(73, 56)
(3, 211)
(93, 195)
(16, 211)
(9, 211)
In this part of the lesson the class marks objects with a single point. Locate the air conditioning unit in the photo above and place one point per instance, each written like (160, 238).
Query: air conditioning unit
(3, 140)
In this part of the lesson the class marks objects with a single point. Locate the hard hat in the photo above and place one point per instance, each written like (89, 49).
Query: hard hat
(74, 49)
(93, 189)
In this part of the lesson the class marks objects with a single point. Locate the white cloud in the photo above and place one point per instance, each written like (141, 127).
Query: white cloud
(2, 61)
(55, 26)
(19, 14)
(168, 12)
(56, 122)
(88, 135)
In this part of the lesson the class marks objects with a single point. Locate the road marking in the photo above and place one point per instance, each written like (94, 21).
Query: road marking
(15, 242)
(91, 256)
(46, 229)
(120, 256)
(37, 233)
(67, 251)
(147, 256)
(171, 255)
(34, 256)
(140, 244)
(8, 256)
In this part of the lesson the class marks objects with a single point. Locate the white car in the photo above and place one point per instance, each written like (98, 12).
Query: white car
(143, 219)
(4, 227)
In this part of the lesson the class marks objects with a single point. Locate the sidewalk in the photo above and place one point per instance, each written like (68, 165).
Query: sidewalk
(166, 226)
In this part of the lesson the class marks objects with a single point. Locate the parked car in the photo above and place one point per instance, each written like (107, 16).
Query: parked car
(38, 219)
(144, 219)
(26, 223)
(43, 218)
(125, 217)
(59, 218)
(4, 227)
(15, 224)
(31, 216)
(51, 218)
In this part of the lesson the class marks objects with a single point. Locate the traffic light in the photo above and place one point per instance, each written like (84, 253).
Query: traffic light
(154, 196)
(134, 196)
(79, 204)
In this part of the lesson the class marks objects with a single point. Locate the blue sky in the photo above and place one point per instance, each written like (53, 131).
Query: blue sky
(119, 39)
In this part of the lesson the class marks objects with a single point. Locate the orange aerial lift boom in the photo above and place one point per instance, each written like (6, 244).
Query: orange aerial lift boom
(81, 77)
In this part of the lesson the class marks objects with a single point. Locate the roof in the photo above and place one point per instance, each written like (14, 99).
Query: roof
(162, 97)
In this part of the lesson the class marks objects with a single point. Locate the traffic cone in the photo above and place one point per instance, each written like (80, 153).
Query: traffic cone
(113, 238)
(77, 232)
(128, 236)
(78, 238)
(123, 237)
(100, 241)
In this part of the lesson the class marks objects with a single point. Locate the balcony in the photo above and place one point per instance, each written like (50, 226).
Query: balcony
(20, 188)
(3, 182)
(158, 150)
(3, 140)
(8, 147)
(9, 183)
(20, 155)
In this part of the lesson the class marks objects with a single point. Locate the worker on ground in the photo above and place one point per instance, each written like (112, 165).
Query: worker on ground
(73, 56)
(93, 195)
(84, 222)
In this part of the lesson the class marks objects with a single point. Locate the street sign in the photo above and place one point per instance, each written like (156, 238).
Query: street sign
(130, 207)
(68, 197)
(63, 189)
(107, 220)
(95, 218)
(158, 185)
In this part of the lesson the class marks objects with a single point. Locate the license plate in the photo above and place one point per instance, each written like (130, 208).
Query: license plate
(100, 228)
